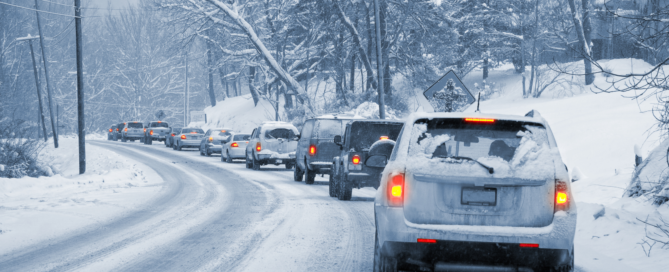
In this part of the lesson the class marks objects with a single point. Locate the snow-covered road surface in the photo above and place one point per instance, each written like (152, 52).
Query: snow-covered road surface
(212, 215)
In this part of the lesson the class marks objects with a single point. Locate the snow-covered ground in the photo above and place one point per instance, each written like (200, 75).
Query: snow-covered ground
(37, 210)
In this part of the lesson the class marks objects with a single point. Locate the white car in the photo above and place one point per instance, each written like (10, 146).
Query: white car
(474, 192)
(272, 143)
(236, 148)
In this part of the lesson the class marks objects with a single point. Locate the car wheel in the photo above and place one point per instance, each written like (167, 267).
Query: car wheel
(331, 186)
(382, 263)
(256, 164)
(228, 159)
(345, 189)
(179, 147)
(123, 139)
(207, 152)
(149, 141)
(310, 176)
(248, 163)
(289, 165)
(561, 268)
(298, 174)
(174, 147)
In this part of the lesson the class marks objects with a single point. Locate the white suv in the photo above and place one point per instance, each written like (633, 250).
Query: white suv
(272, 143)
(474, 192)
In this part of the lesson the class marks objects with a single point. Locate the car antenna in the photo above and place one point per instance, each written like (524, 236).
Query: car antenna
(478, 103)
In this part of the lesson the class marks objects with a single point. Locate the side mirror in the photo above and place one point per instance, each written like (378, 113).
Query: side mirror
(378, 161)
(297, 137)
(337, 140)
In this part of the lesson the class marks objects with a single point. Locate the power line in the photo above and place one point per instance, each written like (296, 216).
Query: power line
(38, 10)
(57, 3)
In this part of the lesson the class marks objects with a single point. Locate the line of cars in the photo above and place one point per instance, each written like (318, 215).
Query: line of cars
(455, 191)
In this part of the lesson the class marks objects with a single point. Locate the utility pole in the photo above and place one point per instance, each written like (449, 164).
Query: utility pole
(379, 60)
(186, 95)
(37, 83)
(46, 76)
(80, 88)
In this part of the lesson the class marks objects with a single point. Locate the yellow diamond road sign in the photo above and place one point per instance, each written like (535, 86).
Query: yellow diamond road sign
(449, 84)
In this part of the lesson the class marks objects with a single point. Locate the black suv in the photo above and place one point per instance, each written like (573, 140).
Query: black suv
(315, 148)
(351, 169)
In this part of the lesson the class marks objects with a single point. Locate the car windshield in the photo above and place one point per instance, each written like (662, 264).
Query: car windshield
(327, 129)
(283, 133)
(505, 146)
(192, 130)
(176, 130)
(364, 134)
(135, 125)
(242, 137)
(161, 124)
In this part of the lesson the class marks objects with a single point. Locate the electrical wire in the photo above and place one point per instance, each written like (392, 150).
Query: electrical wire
(39, 10)
(65, 5)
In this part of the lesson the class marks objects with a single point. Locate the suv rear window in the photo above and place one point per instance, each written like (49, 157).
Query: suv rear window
(135, 125)
(161, 124)
(189, 130)
(277, 133)
(509, 147)
(327, 129)
(176, 130)
(364, 134)
(242, 137)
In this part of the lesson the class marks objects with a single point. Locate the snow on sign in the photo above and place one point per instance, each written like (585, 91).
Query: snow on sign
(448, 94)
(197, 116)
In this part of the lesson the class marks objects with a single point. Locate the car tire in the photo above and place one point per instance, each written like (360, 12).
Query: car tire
(248, 163)
(331, 186)
(298, 174)
(179, 147)
(207, 152)
(382, 263)
(289, 165)
(149, 141)
(228, 159)
(309, 176)
(223, 158)
(256, 164)
(345, 189)
(174, 147)
(561, 268)
(123, 139)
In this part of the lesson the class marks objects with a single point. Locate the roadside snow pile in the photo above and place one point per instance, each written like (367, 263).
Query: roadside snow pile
(370, 110)
(652, 176)
(37, 209)
(238, 113)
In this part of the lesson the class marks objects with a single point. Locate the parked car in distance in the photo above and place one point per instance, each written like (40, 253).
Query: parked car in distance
(472, 191)
(349, 168)
(117, 132)
(110, 133)
(236, 148)
(169, 139)
(188, 138)
(213, 140)
(132, 130)
(272, 143)
(156, 131)
(316, 147)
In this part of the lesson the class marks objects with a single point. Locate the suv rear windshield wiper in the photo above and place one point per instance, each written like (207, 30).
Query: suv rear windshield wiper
(490, 169)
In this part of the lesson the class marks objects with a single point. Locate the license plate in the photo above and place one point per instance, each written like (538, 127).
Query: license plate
(279, 161)
(477, 196)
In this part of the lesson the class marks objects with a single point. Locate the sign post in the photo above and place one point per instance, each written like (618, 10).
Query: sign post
(449, 89)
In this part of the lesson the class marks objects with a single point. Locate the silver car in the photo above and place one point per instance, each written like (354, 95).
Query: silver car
(132, 130)
(169, 139)
(213, 140)
(474, 192)
(272, 143)
(188, 138)
(236, 148)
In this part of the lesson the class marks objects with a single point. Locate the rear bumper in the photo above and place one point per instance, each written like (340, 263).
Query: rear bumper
(133, 135)
(364, 179)
(190, 143)
(214, 148)
(237, 152)
(158, 137)
(321, 167)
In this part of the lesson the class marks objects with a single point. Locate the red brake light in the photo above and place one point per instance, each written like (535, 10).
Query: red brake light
(116, 129)
(151, 132)
(193, 132)
(223, 131)
(355, 159)
(172, 134)
(211, 139)
(160, 122)
(183, 137)
(234, 145)
(561, 197)
(480, 120)
(110, 130)
(144, 129)
(125, 129)
(383, 138)
(258, 146)
(428, 241)
(312, 150)
(396, 190)
(530, 245)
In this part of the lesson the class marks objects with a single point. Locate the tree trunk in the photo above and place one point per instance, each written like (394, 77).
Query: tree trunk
(533, 71)
(224, 82)
(340, 76)
(385, 45)
(210, 72)
(234, 87)
(352, 79)
(252, 89)
(485, 68)
(370, 46)
(585, 47)
(379, 61)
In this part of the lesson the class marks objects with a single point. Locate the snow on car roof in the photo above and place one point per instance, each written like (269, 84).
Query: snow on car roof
(420, 115)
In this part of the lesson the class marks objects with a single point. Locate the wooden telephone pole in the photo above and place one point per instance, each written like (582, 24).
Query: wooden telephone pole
(46, 76)
(37, 83)
(81, 125)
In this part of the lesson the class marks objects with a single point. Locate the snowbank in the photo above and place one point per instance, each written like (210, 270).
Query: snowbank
(238, 113)
(37, 209)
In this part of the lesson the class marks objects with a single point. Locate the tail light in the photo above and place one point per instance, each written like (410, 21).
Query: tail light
(355, 159)
(529, 245)
(480, 120)
(183, 137)
(383, 138)
(258, 147)
(110, 130)
(193, 132)
(211, 139)
(125, 129)
(116, 129)
(427, 241)
(396, 190)
(312, 150)
(144, 130)
(172, 134)
(561, 196)
(151, 132)
(234, 145)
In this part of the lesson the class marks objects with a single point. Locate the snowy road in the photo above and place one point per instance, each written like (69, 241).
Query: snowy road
(216, 216)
